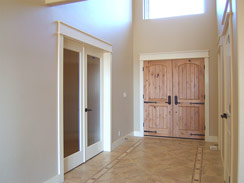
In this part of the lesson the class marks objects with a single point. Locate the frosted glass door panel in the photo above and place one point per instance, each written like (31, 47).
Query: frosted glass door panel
(71, 102)
(93, 100)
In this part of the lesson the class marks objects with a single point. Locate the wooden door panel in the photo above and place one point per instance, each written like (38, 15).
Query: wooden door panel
(188, 78)
(188, 87)
(158, 82)
(157, 88)
(158, 120)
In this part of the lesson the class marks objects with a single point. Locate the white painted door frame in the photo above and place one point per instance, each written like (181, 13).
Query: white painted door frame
(220, 97)
(65, 31)
(172, 56)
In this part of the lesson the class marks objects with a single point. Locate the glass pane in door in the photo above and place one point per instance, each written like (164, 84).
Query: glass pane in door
(93, 100)
(71, 102)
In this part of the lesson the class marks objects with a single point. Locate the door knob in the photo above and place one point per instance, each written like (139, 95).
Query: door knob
(224, 115)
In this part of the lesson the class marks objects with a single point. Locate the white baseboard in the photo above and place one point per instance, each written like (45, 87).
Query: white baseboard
(138, 134)
(211, 139)
(56, 179)
(121, 140)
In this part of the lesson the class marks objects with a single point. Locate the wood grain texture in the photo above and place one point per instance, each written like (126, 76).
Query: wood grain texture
(189, 86)
(184, 79)
(157, 88)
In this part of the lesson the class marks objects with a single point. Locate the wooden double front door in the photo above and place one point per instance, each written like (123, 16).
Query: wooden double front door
(174, 95)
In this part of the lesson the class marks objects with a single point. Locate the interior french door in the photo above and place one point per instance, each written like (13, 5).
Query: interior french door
(72, 105)
(174, 94)
(82, 94)
(94, 136)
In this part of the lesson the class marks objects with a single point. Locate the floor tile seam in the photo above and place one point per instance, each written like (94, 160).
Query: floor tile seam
(106, 168)
(197, 170)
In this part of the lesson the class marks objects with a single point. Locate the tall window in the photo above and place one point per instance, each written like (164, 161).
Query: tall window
(170, 8)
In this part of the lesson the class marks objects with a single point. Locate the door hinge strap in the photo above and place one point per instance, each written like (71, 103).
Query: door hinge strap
(150, 131)
(192, 134)
(149, 102)
(201, 103)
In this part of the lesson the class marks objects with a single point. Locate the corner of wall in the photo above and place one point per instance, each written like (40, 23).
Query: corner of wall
(121, 140)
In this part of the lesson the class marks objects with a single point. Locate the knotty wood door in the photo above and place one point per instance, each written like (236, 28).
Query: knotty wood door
(157, 89)
(189, 94)
(174, 92)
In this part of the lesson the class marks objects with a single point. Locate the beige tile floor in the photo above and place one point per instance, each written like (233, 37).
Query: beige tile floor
(152, 160)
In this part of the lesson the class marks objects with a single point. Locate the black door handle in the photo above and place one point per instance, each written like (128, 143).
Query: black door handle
(87, 110)
(224, 115)
(169, 100)
(176, 100)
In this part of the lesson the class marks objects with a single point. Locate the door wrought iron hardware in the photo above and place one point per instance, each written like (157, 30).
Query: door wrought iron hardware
(201, 103)
(176, 100)
(150, 131)
(192, 134)
(149, 102)
(169, 100)
(224, 115)
(87, 110)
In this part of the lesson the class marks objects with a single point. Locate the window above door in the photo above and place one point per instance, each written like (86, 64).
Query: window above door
(154, 9)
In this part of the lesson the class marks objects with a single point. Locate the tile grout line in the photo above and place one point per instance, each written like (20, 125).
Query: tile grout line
(197, 170)
(107, 167)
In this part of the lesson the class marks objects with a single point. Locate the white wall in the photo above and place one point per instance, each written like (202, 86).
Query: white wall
(194, 32)
(28, 79)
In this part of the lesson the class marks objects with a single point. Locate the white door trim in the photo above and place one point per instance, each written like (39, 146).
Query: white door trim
(65, 31)
(177, 55)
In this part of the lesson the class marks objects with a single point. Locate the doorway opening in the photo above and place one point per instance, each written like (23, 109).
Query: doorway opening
(174, 98)
(200, 107)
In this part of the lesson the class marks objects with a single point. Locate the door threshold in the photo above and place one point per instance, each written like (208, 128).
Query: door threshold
(172, 137)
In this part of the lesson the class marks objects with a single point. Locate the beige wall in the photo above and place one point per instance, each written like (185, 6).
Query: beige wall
(240, 57)
(239, 90)
(28, 79)
(235, 137)
(220, 7)
(197, 32)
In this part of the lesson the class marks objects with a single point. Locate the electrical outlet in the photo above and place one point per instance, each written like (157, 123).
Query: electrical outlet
(214, 148)
(119, 133)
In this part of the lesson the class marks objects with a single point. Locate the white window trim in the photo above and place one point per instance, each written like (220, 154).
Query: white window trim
(177, 55)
